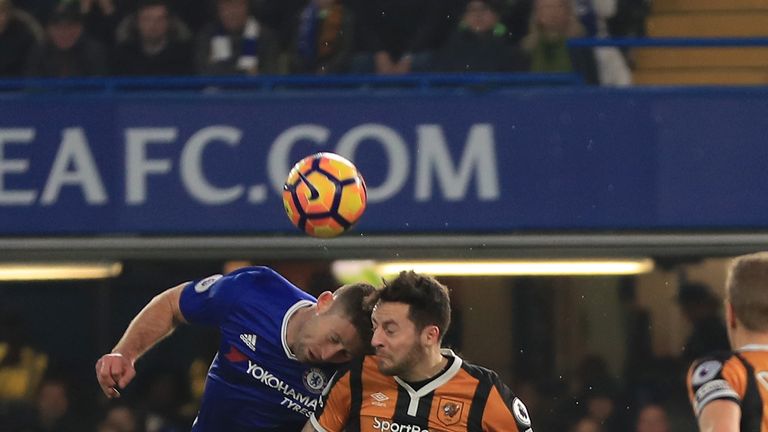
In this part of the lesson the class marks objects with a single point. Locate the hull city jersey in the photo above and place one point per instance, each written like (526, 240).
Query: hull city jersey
(462, 398)
(740, 376)
(254, 383)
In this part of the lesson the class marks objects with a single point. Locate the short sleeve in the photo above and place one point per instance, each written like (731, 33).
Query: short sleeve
(335, 402)
(504, 412)
(715, 378)
(207, 301)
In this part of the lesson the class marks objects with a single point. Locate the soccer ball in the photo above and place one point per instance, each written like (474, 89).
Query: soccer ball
(324, 195)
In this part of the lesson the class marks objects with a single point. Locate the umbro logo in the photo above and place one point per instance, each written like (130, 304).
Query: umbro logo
(250, 340)
(379, 398)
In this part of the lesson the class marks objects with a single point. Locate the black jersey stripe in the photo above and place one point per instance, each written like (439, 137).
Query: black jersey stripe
(477, 408)
(425, 406)
(355, 395)
(752, 403)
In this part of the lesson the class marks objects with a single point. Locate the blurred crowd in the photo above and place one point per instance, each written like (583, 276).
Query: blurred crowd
(68, 38)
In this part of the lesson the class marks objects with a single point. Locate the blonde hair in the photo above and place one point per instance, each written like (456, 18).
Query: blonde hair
(747, 290)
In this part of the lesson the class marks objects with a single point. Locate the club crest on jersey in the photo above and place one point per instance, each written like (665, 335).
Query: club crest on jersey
(449, 411)
(315, 380)
(206, 283)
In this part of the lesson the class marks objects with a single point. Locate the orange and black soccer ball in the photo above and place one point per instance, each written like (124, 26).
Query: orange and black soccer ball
(324, 195)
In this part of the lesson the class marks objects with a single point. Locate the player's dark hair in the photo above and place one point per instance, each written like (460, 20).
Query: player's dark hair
(747, 290)
(429, 300)
(355, 302)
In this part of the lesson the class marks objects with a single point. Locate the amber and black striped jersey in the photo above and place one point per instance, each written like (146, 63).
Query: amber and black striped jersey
(463, 398)
(740, 376)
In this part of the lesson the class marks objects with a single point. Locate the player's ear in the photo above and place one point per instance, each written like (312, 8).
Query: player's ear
(324, 301)
(431, 335)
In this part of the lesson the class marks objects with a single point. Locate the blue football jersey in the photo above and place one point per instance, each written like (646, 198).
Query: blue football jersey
(254, 383)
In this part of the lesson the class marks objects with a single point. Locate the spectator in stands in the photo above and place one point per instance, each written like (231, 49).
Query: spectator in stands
(21, 370)
(21, 366)
(481, 43)
(399, 36)
(601, 401)
(324, 42)
(552, 23)
(100, 17)
(237, 43)
(154, 48)
(612, 68)
(19, 34)
(54, 413)
(586, 424)
(68, 51)
(119, 418)
(162, 400)
(598, 393)
(701, 307)
(281, 16)
(629, 19)
(652, 418)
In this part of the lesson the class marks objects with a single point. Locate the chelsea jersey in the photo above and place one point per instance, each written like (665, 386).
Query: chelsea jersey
(255, 382)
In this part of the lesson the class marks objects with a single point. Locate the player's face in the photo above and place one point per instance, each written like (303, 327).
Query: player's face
(327, 338)
(395, 338)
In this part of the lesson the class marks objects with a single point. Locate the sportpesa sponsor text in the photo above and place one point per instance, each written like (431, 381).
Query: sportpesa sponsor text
(390, 426)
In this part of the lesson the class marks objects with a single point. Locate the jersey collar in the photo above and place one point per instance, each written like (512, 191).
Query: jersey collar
(439, 380)
(754, 347)
(284, 329)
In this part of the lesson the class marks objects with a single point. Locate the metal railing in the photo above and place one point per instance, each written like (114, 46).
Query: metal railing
(269, 83)
(678, 42)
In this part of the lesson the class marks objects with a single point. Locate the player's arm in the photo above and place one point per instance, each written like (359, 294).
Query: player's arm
(716, 385)
(156, 320)
(503, 411)
(720, 416)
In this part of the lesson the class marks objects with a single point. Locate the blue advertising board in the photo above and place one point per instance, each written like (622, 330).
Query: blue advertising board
(584, 159)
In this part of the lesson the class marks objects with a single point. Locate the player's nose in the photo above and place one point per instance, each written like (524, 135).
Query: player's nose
(376, 340)
(331, 353)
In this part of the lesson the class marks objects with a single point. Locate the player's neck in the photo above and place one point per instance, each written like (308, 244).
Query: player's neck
(297, 321)
(743, 337)
(432, 365)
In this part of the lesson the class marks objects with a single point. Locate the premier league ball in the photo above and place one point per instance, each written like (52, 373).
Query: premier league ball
(324, 195)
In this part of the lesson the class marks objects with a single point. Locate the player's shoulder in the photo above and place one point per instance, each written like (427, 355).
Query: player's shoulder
(712, 361)
(261, 276)
(720, 356)
(254, 272)
(481, 373)
(712, 367)
(366, 364)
